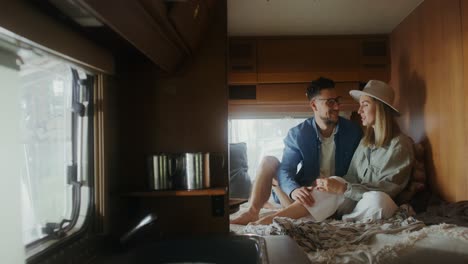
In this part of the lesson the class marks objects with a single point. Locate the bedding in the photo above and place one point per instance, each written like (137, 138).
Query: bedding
(382, 241)
(443, 212)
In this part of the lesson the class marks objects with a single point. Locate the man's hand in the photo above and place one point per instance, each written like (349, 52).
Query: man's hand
(303, 195)
(331, 185)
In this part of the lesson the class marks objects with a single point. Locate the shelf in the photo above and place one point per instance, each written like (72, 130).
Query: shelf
(201, 192)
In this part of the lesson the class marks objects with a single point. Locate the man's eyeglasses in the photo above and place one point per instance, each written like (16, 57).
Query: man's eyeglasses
(331, 101)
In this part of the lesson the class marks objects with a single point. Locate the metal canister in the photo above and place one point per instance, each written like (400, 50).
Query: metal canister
(193, 171)
(160, 170)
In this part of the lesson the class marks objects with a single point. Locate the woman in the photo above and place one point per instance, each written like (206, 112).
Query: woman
(379, 170)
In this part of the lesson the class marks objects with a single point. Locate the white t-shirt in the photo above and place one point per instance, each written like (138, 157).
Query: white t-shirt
(327, 155)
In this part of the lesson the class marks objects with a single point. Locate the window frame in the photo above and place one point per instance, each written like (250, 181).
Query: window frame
(42, 247)
(38, 249)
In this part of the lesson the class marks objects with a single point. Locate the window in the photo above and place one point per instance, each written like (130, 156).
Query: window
(264, 137)
(46, 140)
(55, 126)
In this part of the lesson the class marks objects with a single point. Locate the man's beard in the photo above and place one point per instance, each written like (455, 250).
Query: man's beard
(328, 121)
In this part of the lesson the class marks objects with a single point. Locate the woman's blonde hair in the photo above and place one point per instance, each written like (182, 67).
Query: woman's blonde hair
(384, 129)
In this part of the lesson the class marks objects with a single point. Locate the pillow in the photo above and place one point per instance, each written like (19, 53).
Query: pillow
(239, 180)
(238, 155)
(417, 181)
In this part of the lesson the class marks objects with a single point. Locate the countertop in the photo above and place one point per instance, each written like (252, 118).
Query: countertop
(280, 249)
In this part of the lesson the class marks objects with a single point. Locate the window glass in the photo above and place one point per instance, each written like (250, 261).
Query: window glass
(46, 142)
(53, 99)
(262, 136)
(11, 243)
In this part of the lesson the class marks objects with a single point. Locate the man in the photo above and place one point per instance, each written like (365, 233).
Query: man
(322, 145)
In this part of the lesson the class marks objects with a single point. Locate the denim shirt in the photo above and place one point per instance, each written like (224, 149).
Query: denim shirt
(302, 145)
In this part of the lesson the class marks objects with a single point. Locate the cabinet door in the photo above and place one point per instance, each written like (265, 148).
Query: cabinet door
(242, 61)
(287, 93)
(304, 59)
(375, 60)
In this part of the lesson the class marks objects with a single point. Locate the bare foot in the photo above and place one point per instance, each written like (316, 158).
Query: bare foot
(245, 218)
(264, 220)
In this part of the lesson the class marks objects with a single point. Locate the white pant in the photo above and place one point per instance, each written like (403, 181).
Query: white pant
(325, 204)
(374, 205)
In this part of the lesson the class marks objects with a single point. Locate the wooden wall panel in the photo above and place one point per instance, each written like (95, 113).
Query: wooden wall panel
(182, 112)
(427, 75)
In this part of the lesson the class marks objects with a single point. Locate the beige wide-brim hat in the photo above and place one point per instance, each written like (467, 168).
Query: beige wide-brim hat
(378, 90)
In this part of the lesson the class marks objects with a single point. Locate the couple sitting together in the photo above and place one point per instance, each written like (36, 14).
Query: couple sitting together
(341, 173)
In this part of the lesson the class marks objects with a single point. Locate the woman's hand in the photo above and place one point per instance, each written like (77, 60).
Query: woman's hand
(331, 185)
(303, 195)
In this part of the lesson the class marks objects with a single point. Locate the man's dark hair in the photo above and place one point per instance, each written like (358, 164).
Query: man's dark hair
(318, 85)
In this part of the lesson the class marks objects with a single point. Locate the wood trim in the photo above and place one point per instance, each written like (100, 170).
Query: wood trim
(301, 77)
(273, 108)
(242, 78)
(277, 110)
(44, 32)
(169, 193)
(462, 192)
(101, 180)
(318, 37)
(375, 60)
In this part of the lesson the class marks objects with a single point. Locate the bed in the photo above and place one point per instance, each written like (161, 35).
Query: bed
(437, 233)
(401, 239)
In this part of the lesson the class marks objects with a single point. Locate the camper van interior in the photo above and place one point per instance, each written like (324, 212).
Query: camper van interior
(133, 130)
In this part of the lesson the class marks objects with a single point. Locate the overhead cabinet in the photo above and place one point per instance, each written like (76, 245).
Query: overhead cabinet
(374, 59)
(305, 59)
(271, 74)
(271, 60)
(242, 61)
